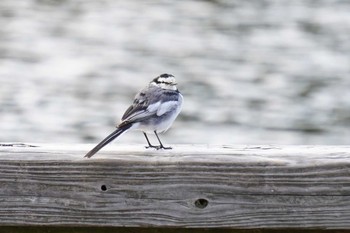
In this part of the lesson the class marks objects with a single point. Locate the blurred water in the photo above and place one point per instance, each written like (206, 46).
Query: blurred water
(272, 71)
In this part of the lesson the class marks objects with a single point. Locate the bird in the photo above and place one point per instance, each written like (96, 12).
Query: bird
(153, 110)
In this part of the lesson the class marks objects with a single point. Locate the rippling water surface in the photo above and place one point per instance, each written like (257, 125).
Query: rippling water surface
(252, 72)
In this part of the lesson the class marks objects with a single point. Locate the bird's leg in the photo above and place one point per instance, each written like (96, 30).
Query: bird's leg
(161, 145)
(149, 144)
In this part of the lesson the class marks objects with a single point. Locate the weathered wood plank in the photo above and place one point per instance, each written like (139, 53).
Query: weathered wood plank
(54, 229)
(191, 186)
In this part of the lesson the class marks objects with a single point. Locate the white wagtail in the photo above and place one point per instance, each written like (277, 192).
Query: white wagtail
(154, 110)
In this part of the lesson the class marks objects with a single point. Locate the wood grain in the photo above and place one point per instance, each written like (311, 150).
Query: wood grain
(190, 186)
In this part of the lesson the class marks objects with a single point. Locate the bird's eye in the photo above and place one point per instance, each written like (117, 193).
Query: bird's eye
(165, 75)
(161, 80)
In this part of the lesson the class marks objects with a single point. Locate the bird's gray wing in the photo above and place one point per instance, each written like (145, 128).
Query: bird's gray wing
(145, 104)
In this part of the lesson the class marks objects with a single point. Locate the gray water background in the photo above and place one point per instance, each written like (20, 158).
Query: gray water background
(251, 72)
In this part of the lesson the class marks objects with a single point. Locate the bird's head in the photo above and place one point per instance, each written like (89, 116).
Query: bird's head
(165, 81)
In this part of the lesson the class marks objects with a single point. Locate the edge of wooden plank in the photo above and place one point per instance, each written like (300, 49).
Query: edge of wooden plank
(279, 154)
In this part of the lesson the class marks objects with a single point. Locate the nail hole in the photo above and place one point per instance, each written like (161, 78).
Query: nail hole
(103, 188)
(201, 203)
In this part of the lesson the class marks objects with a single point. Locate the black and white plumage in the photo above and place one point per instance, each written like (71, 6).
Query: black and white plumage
(153, 111)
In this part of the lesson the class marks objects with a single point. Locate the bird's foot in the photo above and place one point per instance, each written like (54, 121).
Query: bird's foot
(165, 148)
(158, 147)
(151, 146)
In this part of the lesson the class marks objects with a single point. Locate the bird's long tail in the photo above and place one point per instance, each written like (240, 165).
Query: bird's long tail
(108, 139)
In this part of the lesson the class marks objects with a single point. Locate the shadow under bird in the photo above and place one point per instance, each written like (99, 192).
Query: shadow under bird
(153, 111)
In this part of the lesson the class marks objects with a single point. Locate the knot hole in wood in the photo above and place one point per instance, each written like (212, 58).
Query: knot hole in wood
(201, 203)
(104, 188)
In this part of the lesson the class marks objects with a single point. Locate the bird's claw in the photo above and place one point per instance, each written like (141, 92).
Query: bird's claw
(158, 147)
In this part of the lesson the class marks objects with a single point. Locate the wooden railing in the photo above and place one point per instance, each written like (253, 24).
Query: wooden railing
(193, 186)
